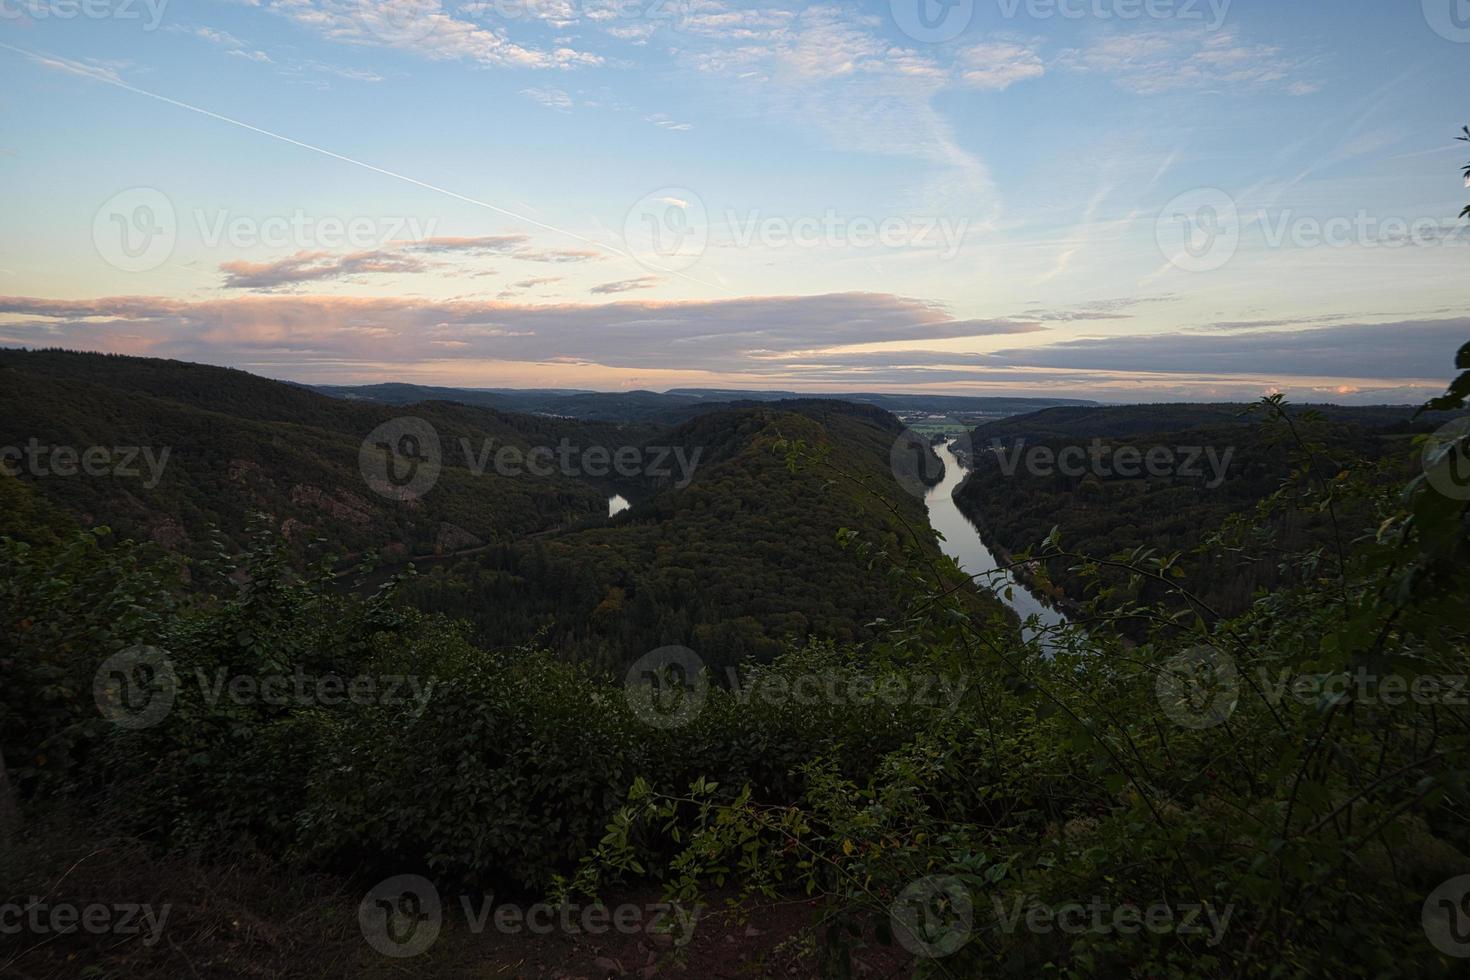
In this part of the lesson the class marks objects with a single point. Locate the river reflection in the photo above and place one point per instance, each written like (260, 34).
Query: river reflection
(962, 543)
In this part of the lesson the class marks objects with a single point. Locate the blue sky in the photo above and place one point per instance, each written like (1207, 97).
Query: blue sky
(1122, 199)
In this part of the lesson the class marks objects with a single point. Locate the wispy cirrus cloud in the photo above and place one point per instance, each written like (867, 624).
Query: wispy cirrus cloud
(625, 285)
(559, 256)
(997, 65)
(551, 98)
(423, 27)
(1151, 62)
(309, 266)
(396, 258)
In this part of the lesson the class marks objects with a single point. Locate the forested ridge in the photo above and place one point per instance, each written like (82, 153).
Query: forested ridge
(1224, 463)
(741, 560)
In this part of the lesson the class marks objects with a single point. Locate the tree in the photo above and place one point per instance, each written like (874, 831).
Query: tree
(9, 813)
(1466, 139)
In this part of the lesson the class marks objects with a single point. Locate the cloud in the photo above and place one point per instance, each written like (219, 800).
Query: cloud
(1156, 61)
(663, 121)
(1269, 324)
(1103, 309)
(260, 57)
(102, 71)
(840, 339)
(483, 245)
(421, 27)
(625, 285)
(210, 34)
(301, 70)
(1411, 349)
(552, 98)
(834, 71)
(560, 255)
(748, 334)
(233, 45)
(315, 267)
(997, 65)
(395, 258)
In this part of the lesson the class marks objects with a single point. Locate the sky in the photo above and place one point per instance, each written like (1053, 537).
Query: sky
(1126, 200)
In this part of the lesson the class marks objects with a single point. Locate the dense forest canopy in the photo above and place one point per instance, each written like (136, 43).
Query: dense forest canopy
(1214, 468)
(1254, 721)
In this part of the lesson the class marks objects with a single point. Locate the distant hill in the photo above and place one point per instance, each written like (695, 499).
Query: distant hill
(624, 406)
(983, 405)
(732, 560)
(1117, 421)
(675, 405)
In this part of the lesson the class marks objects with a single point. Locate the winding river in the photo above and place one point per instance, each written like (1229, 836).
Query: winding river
(962, 543)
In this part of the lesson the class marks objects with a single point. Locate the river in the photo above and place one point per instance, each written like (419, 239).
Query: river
(962, 543)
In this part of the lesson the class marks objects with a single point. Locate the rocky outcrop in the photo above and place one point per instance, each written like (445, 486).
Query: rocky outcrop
(454, 538)
(343, 505)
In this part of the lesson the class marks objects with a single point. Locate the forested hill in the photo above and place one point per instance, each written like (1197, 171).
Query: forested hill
(189, 448)
(727, 549)
(744, 558)
(1213, 464)
(1118, 421)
